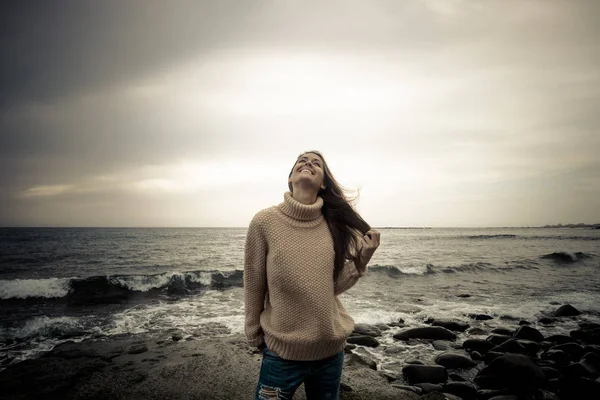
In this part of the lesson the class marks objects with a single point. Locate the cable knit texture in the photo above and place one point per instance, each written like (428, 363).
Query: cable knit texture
(290, 296)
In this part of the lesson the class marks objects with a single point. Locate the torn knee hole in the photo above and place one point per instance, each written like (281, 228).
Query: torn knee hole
(269, 392)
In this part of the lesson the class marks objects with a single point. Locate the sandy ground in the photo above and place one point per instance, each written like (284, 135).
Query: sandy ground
(219, 368)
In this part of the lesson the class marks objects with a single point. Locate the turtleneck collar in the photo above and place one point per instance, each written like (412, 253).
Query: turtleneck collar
(294, 209)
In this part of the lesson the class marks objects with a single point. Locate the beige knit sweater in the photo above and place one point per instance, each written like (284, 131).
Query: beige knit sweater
(291, 298)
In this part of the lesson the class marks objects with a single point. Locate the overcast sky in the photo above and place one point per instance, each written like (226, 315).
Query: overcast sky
(190, 113)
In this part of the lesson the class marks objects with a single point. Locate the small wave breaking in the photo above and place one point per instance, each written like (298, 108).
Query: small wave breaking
(396, 271)
(565, 256)
(118, 287)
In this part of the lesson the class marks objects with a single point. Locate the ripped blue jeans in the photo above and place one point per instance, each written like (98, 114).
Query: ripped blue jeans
(280, 378)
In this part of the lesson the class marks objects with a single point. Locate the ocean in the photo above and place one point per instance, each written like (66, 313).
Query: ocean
(60, 284)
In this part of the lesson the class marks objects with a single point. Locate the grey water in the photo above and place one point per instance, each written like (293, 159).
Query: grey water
(59, 284)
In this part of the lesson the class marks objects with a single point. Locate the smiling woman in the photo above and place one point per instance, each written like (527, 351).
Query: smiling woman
(299, 257)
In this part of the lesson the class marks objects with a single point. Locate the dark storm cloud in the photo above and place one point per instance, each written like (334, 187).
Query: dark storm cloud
(51, 50)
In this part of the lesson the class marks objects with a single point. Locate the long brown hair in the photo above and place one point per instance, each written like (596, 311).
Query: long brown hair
(343, 221)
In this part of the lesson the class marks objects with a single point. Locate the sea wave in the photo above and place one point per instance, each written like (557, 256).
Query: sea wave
(117, 287)
(565, 256)
(431, 269)
(498, 236)
(395, 271)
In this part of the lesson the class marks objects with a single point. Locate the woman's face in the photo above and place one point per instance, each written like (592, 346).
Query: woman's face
(309, 168)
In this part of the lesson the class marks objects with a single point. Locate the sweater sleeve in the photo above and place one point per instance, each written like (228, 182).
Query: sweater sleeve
(255, 281)
(348, 277)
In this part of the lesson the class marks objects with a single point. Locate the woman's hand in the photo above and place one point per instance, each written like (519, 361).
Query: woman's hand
(368, 244)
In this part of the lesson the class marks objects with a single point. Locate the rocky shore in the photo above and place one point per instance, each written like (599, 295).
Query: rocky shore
(515, 362)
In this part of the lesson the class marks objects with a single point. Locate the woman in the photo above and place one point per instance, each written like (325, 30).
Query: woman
(299, 256)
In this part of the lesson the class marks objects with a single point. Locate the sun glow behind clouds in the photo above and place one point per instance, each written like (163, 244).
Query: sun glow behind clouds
(266, 83)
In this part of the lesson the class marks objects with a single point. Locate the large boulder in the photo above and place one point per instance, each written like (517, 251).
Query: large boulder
(511, 346)
(363, 341)
(511, 371)
(454, 361)
(587, 336)
(566, 311)
(426, 332)
(367, 330)
(464, 390)
(497, 339)
(573, 350)
(528, 333)
(560, 339)
(503, 331)
(480, 345)
(424, 374)
(456, 326)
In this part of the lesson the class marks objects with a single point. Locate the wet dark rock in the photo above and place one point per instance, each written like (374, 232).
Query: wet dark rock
(577, 388)
(591, 362)
(383, 327)
(592, 348)
(464, 295)
(532, 347)
(425, 373)
(511, 346)
(414, 362)
(456, 378)
(523, 322)
(367, 330)
(441, 345)
(587, 336)
(363, 341)
(566, 311)
(558, 356)
(476, 356)
(551, 373)
(487, 394)
(137, 349)
(528, 333)
(429, 387)
(476, 331)
(464, 390)
(454, 361)
(511, 371)
(456, 326)
(480, 345)
(546, 320)
(350, 346)
(503, 331)
(491, 356)
(480, 317)
(426, 332)
(573, 350)
(497, 339)
(589, 325)
(560, 339)
(506, 317)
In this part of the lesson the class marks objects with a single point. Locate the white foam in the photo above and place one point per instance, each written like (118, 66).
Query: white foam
(47, 327)
(203, 278)
(24, 288)
(142, 283)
